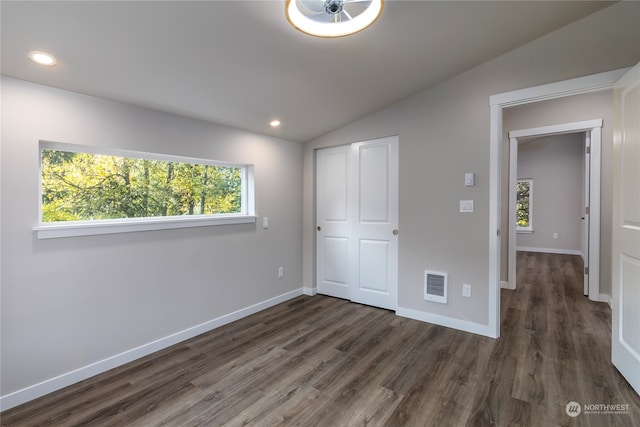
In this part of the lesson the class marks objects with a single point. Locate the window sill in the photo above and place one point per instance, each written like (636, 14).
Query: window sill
(90, 228)
(524, 231)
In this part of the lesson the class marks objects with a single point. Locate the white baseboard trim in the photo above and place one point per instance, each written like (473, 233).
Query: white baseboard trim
(505, 285)
(602, 298)
(550, 250)
(45, 387)
(309, 291)
(450, 322)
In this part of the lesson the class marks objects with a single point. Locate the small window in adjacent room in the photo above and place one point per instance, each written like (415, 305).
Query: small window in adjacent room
(524, 205)
(86, 186)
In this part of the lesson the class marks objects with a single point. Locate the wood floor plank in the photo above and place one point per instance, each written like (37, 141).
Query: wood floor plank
(322, 361)
(520, 414)
(373, 408)
(290, 404)
(529, 382)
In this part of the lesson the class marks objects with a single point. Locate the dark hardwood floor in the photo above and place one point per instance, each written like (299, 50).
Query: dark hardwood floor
(320, 361)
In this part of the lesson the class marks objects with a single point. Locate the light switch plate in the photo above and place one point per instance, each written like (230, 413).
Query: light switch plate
(466, 206)
(265, 222)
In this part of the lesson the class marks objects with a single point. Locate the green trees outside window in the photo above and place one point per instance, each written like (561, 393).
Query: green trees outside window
(77, 186)
(524, 204)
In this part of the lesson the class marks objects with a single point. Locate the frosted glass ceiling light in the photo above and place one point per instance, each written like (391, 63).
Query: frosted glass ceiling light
(332, 18)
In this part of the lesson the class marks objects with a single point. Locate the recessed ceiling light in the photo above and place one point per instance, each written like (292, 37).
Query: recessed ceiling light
(332, 18)
(275, 123)
(42, 58)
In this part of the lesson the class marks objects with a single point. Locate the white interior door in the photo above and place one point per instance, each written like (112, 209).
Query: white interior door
(625, 336)
(357, 220)
(374, 223)
(332, 217)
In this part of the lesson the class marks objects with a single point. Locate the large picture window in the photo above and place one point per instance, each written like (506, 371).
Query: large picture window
(524, 205)
(81, 185)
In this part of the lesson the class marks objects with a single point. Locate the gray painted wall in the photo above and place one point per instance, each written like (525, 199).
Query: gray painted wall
(444, 132)
(555, 165)
(567, 110)
(70, 302)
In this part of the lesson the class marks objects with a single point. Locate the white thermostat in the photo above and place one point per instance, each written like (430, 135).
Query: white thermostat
(469, 179)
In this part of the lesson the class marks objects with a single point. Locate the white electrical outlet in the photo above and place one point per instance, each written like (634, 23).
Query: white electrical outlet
(466, 290)
(556, 235)
(280, 271)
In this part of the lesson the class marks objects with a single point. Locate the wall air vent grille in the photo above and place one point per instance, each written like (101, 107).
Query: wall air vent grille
(435, 286)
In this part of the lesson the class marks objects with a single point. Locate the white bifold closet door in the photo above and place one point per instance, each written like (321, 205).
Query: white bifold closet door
(357, 222)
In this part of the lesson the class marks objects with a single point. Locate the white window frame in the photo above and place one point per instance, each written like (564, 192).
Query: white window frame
(528, 229)
(51, 230)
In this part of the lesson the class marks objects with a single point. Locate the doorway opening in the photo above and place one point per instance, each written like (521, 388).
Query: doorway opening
(581, 85)
(590, 215)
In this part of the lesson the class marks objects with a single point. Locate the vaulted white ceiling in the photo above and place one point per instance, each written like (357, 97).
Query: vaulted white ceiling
(240, 63)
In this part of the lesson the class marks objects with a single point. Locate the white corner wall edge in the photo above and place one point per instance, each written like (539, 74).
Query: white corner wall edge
(309, 291)
(449, 322)
(48, 386)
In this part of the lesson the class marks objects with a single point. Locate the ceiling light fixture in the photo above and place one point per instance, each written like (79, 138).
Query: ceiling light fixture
(332, 18)
(275, 123)
(43, 58)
